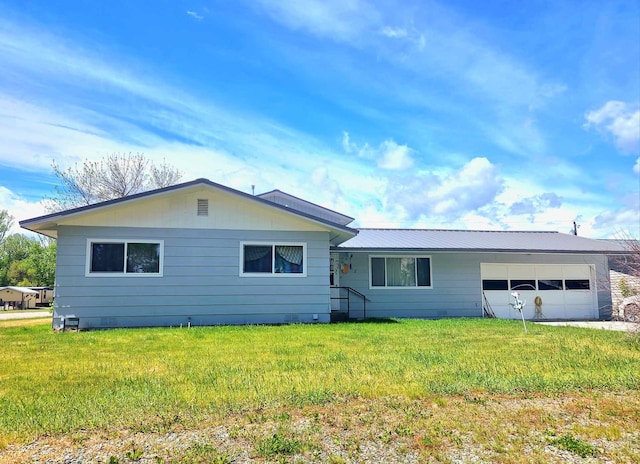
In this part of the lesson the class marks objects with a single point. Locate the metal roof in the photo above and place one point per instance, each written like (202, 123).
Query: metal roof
(298, 204)
(19, 289)
(476, 240)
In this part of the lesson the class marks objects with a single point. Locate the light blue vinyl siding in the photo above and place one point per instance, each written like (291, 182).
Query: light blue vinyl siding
(201, 283)
(456, 280)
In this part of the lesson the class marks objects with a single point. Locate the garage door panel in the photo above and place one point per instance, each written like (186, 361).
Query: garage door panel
(499, 303)
(576, 271)
(521, 272)
(552, 311)
(552, 297)
(549, 272)
(493, 271)
(578, 297)
(529, 308)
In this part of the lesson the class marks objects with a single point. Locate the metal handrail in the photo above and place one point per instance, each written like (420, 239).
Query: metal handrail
(357, 293)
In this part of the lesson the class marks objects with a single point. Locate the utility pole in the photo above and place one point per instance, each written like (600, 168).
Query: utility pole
(575, 228)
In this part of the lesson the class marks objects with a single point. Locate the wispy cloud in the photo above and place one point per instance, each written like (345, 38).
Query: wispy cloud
(394, 32)
(195, 15)
(343, 21)
(619, 119)
(433, 44)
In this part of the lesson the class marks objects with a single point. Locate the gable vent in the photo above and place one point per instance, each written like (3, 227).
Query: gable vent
(203, 207)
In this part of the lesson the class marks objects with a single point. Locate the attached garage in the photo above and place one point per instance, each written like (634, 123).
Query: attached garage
(551, 291)
(473, 273)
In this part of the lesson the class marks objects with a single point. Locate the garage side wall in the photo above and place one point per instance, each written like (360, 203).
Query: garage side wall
(200, 282)
(456, 283)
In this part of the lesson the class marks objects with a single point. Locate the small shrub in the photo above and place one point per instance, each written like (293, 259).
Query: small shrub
(575, 445)
(277, 445)
(625, 291)
(335, 459)
(134, 454)
(205, 453)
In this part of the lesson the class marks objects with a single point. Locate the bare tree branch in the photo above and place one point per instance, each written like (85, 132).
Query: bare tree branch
(628, 263)
(115, 176)
(164, 175)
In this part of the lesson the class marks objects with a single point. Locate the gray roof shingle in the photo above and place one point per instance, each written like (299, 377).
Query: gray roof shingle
(475, 240)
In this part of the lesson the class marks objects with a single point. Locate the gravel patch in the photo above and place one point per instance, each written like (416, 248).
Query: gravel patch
(482, 429)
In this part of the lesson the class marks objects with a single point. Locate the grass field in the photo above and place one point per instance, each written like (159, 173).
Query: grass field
(329, 393)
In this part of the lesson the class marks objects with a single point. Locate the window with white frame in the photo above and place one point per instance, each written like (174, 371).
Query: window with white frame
(400, 272)
(124, 257)
(268, 259)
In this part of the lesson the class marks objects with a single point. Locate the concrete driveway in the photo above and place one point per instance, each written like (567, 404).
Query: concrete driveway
(605, 325)
(23, 315)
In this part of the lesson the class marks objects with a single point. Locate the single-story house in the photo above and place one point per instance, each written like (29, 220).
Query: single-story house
(200, 253)
(13, 297)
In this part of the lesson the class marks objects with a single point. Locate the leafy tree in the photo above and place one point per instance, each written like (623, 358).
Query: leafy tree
(13, 249)
(41, 265)
(27, 261)
(114, 176)
(6, 222)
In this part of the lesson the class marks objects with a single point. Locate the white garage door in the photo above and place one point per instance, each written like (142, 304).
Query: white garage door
(551, 291)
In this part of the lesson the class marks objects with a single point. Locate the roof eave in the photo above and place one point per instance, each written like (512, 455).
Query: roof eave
(475, 250)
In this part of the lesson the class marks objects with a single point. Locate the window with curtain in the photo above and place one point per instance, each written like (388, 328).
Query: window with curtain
(269, 259)
(400, 271)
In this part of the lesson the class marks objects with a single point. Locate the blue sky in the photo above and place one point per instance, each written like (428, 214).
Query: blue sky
(459, 114)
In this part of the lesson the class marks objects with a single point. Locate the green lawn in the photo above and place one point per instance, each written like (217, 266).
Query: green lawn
(157, 379)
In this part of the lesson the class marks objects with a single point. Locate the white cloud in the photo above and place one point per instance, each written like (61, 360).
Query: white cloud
(624, 220)
(636, 167)
(621, 120)
(449, 195)
(395, 157)
(19, 208)
(389, 155)
(475, 185)
(347, 145)
(195, 15)
(394, 32)
(329, 189)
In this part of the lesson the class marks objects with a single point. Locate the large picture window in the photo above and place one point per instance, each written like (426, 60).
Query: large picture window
(400, 272)
(267, 259)
(123, 257)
